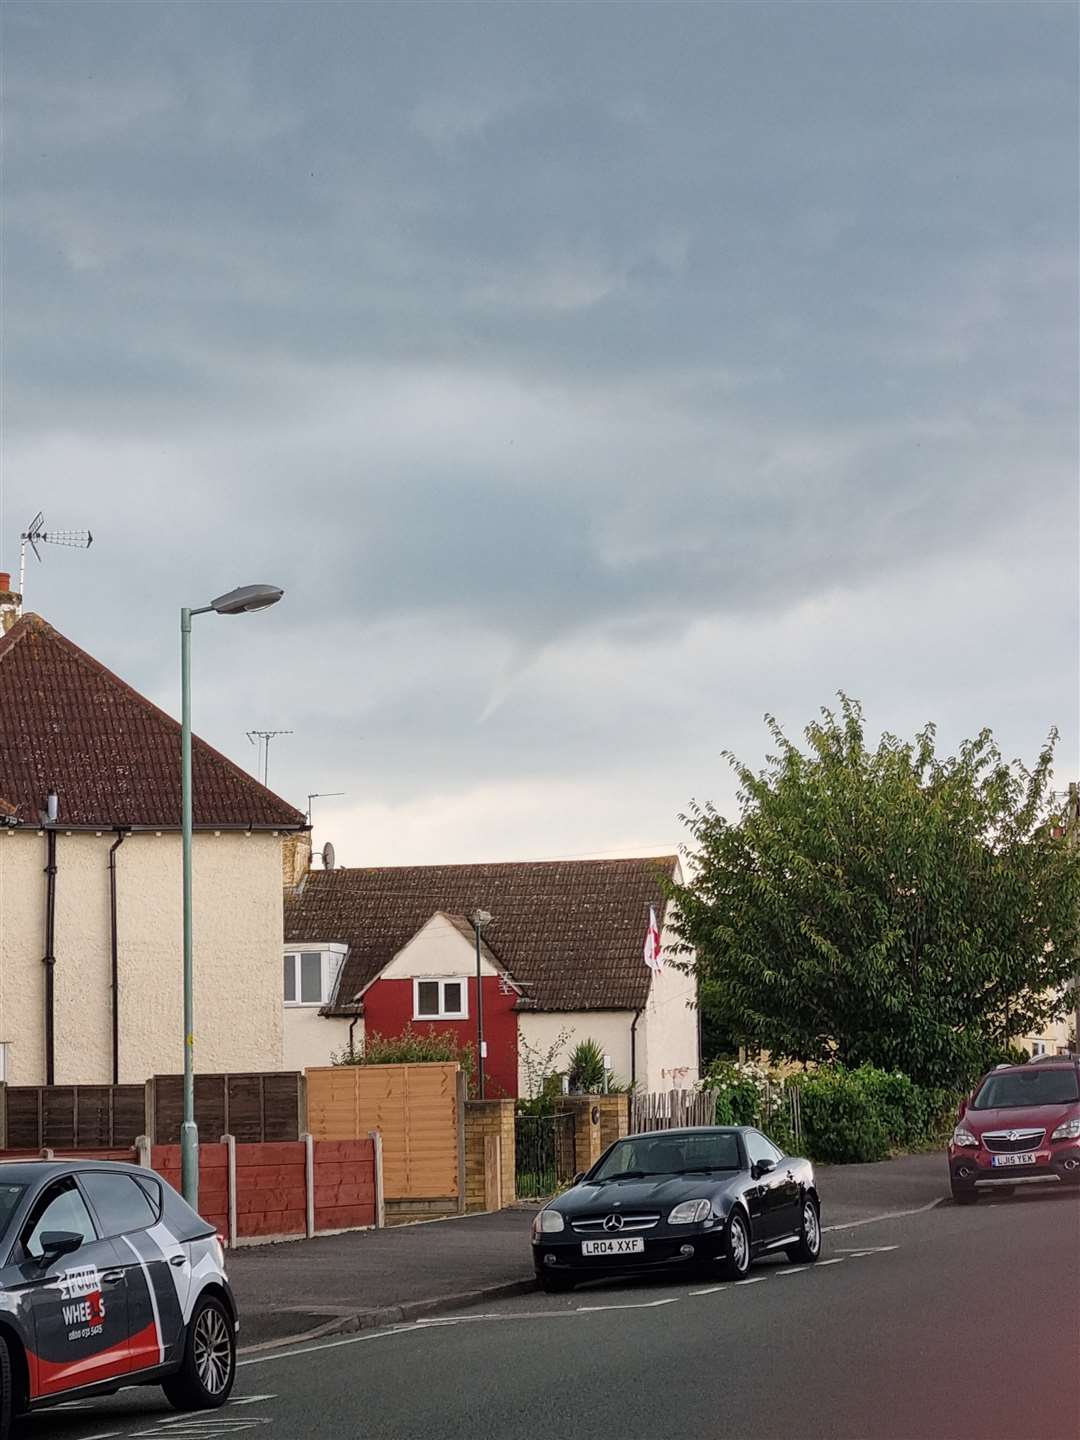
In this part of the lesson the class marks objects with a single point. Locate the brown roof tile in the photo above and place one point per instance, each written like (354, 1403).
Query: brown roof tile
(70, 725)
(570, 932)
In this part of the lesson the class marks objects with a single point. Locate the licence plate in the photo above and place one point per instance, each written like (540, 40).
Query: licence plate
(612, 1247)
(1028, 1158)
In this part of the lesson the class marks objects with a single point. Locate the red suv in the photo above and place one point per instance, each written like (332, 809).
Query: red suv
(1021, 1124)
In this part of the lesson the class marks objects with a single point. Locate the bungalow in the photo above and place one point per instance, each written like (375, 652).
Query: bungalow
(561, 960)
(90, 889)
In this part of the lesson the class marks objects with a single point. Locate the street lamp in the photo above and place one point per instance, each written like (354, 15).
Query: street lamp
(243, 601)
(479, 919)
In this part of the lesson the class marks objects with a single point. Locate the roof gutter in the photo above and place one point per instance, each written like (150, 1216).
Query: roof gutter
(99, 828)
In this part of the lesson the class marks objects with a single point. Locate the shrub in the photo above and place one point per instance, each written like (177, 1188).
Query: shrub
(410, 1047)
(855, 1116)
(739, 1088)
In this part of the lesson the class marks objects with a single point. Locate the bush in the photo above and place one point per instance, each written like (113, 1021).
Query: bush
(411, 1047)
(739, 1088)
(856, 1116)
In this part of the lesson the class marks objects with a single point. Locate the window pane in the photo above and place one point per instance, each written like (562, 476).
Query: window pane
(120, 1203)
(452, 997)
(427, 997)
(63, 1211)
(311, 978)
(290, 978)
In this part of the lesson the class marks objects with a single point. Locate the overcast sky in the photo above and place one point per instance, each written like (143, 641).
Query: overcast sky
(594, 378)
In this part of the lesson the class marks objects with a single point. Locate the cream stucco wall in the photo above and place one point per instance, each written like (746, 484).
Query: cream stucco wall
(609, 1028)
(313, 1039)
(438, 949)
(237, 954)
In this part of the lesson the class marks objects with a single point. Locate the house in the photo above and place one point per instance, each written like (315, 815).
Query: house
(91, 987)
(561, 961)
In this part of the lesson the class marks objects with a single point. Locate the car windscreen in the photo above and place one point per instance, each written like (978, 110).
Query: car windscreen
(1018, 1089)
(10, 1195)
(664, 1154)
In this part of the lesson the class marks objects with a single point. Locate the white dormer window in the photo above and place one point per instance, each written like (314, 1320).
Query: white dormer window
(310, 976)
(437, 999)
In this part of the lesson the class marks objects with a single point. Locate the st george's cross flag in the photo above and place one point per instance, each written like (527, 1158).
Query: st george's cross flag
(652, 943)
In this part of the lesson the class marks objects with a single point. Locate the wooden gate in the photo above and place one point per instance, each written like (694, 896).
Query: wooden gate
(416, 1108)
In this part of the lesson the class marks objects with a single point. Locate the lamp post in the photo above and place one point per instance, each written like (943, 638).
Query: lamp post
(479, 919)
(236, 602)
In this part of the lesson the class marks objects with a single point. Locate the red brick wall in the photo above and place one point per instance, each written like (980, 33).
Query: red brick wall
(388, 1009)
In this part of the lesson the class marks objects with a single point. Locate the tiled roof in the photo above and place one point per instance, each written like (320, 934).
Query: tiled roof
(570, 932)
(70, 725)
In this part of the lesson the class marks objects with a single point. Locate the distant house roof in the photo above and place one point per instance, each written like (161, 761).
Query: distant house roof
(570, 932)
(70, 725)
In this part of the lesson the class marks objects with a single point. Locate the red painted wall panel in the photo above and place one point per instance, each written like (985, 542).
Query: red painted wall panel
(388, 1009)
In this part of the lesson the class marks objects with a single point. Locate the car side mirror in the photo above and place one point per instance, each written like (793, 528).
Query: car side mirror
(55, 1243)
(578, 1178)
(762, 1167)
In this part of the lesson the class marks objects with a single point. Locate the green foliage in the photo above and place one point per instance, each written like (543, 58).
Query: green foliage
(883, 907)
(410, 1047)
(738, 1089)
(587, 1068)
(855, 1116)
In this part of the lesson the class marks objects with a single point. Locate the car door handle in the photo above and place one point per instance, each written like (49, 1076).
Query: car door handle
(112, 1277)
(178, 1260)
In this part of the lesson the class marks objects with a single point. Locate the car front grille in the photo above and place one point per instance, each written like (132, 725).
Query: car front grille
(594, 1224)
(1012, 1142)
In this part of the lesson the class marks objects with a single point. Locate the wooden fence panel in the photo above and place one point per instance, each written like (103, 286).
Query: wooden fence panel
(73, 1117)
(672, 1109)
(414, 1108)
(256, 1108)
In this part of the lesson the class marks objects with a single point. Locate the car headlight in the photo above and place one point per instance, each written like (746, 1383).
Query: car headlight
(1067, 1130)
(548, 1222)
(962, 1136)
(690, 1212)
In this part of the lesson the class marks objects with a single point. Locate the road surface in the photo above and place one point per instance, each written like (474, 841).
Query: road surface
(953, 1324)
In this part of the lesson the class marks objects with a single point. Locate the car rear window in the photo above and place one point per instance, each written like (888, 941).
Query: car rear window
(10, 1195)
(121, 1204)
(1018, 1089)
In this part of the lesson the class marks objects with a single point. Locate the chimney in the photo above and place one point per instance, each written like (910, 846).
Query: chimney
(295, 858)
(10, 603)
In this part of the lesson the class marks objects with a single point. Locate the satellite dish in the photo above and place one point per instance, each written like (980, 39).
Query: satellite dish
(329, 859)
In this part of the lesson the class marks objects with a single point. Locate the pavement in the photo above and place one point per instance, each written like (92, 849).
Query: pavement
(950, 1323)
(341, 1283)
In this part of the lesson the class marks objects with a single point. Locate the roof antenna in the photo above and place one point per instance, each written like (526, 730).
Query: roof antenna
(262, 738)
(35, 534)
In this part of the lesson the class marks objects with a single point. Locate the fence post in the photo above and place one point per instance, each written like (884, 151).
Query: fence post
(150, 1111)
(229, 1141)
(462, 1094)
(380, 1199)
(309, 1183)
(142, 1152)
(301, 1104)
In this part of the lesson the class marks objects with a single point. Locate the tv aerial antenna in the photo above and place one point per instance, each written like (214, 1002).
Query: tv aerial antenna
(35, 534)
(262, 739)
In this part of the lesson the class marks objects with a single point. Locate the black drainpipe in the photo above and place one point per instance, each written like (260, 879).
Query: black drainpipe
(121, 835)
(633, 1048)
(49, 958)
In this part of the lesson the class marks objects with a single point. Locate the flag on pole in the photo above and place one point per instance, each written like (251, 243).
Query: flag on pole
(652, 943)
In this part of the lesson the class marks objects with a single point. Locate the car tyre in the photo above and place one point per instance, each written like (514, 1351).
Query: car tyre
(208, 1369)
(736, 1264)
(964, 1194)
(807, 1249)
(5, 1391)
(552, 1283)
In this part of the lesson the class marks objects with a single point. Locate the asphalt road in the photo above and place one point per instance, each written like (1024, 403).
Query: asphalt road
(953, 1324)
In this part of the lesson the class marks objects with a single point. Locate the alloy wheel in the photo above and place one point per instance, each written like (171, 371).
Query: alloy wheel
(213, 1351)
(811, 1227)
(740, 1245)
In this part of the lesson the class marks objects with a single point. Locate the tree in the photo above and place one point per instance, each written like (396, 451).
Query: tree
(883, 906)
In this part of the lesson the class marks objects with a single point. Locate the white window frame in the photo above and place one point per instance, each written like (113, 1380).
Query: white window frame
(333, 957)
(1039, 1047)
(442, 981)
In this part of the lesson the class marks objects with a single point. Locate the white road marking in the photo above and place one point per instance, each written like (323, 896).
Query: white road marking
(252, 1399)
(838, 1261)
(754, 1280)
(867, 1249)
(107, 1435)
(331, 1344)
(712, 1290)
(889, 1215)
(634, 1305)
(792, 1270)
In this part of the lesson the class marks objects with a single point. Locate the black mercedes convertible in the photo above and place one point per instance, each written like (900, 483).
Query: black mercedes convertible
(710, 1198)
